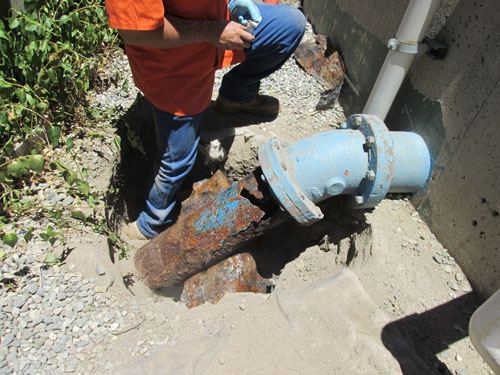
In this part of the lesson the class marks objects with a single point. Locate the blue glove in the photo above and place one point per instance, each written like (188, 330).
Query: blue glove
(244, 11)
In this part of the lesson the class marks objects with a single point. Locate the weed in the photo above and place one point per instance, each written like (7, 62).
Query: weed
(49, 62)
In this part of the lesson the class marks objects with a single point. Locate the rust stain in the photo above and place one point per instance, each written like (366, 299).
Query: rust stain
(205, 190)
(214, 222)
(233, 275)
(327, 69)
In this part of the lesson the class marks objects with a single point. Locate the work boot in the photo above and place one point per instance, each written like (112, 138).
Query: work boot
(261, 105)
(133, 233)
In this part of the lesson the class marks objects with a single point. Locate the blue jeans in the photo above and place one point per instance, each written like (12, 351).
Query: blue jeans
(276, 37)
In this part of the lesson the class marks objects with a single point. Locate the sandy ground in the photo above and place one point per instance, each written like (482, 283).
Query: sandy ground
(401, 272)
(396, 289)
(402, 308)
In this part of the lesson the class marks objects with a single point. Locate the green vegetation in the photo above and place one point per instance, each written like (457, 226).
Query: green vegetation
(49, 59)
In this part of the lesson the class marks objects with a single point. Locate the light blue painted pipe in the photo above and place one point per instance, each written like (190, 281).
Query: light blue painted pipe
(362, 159)
(413, 164)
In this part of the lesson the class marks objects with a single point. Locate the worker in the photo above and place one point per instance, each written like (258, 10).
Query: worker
(174, 48)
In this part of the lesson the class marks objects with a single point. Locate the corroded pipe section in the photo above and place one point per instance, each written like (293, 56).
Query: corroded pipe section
(205, 190)
(236, 274)
(328, 70)
(214, 222)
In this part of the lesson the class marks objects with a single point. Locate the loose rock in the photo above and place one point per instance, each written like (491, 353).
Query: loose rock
(453, 285)
(99, 271)
(438, 259)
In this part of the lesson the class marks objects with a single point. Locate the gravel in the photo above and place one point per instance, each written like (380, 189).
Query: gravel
(39, 321)
(438, 259)
(99, 271)
(453, 286)
(298, 93)
(50, 316)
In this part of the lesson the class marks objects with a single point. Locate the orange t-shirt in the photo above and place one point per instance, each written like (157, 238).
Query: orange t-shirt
(176, 80)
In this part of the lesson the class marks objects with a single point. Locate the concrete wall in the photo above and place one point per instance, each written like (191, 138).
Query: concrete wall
(453, 104)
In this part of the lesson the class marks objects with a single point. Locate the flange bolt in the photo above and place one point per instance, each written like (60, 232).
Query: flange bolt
(359, 199)
(357, 121)
(370, 141)
(370, 175)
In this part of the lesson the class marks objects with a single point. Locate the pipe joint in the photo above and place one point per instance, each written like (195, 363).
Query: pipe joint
(378, 145)
(277, 173)
(363, 159)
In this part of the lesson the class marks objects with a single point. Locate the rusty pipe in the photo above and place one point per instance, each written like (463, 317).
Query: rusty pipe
(213, 224)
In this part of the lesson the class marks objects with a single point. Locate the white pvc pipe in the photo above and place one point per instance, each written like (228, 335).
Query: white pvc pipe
(414, 25)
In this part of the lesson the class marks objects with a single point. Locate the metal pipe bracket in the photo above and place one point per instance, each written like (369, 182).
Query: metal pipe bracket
(402, 46)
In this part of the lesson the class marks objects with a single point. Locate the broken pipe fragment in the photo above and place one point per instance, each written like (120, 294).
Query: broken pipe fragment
(234, 275)
(327, 69)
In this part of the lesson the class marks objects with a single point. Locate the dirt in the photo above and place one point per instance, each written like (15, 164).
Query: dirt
(416, 320)
(390, 251)
(396, 311)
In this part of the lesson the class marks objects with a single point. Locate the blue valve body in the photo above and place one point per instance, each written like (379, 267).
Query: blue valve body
(363, 159)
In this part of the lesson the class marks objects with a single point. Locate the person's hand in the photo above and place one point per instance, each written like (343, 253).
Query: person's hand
(244, 11)
(231, 35)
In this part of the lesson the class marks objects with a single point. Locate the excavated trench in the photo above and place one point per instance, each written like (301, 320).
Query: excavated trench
(276, 239)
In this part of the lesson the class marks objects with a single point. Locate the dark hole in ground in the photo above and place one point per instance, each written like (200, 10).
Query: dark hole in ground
(129, 175)
(267, 204)
(134, 174)
(284, 243)
(133, 177)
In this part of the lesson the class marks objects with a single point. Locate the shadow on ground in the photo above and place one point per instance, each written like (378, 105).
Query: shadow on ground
(430, 333)
(284, 243)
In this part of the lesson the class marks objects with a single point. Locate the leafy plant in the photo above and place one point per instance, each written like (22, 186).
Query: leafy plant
(21, 166)
(50, 55)
(71, 177)
(10, 239)
(48, 61)
(50, 235)
(52, 259)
